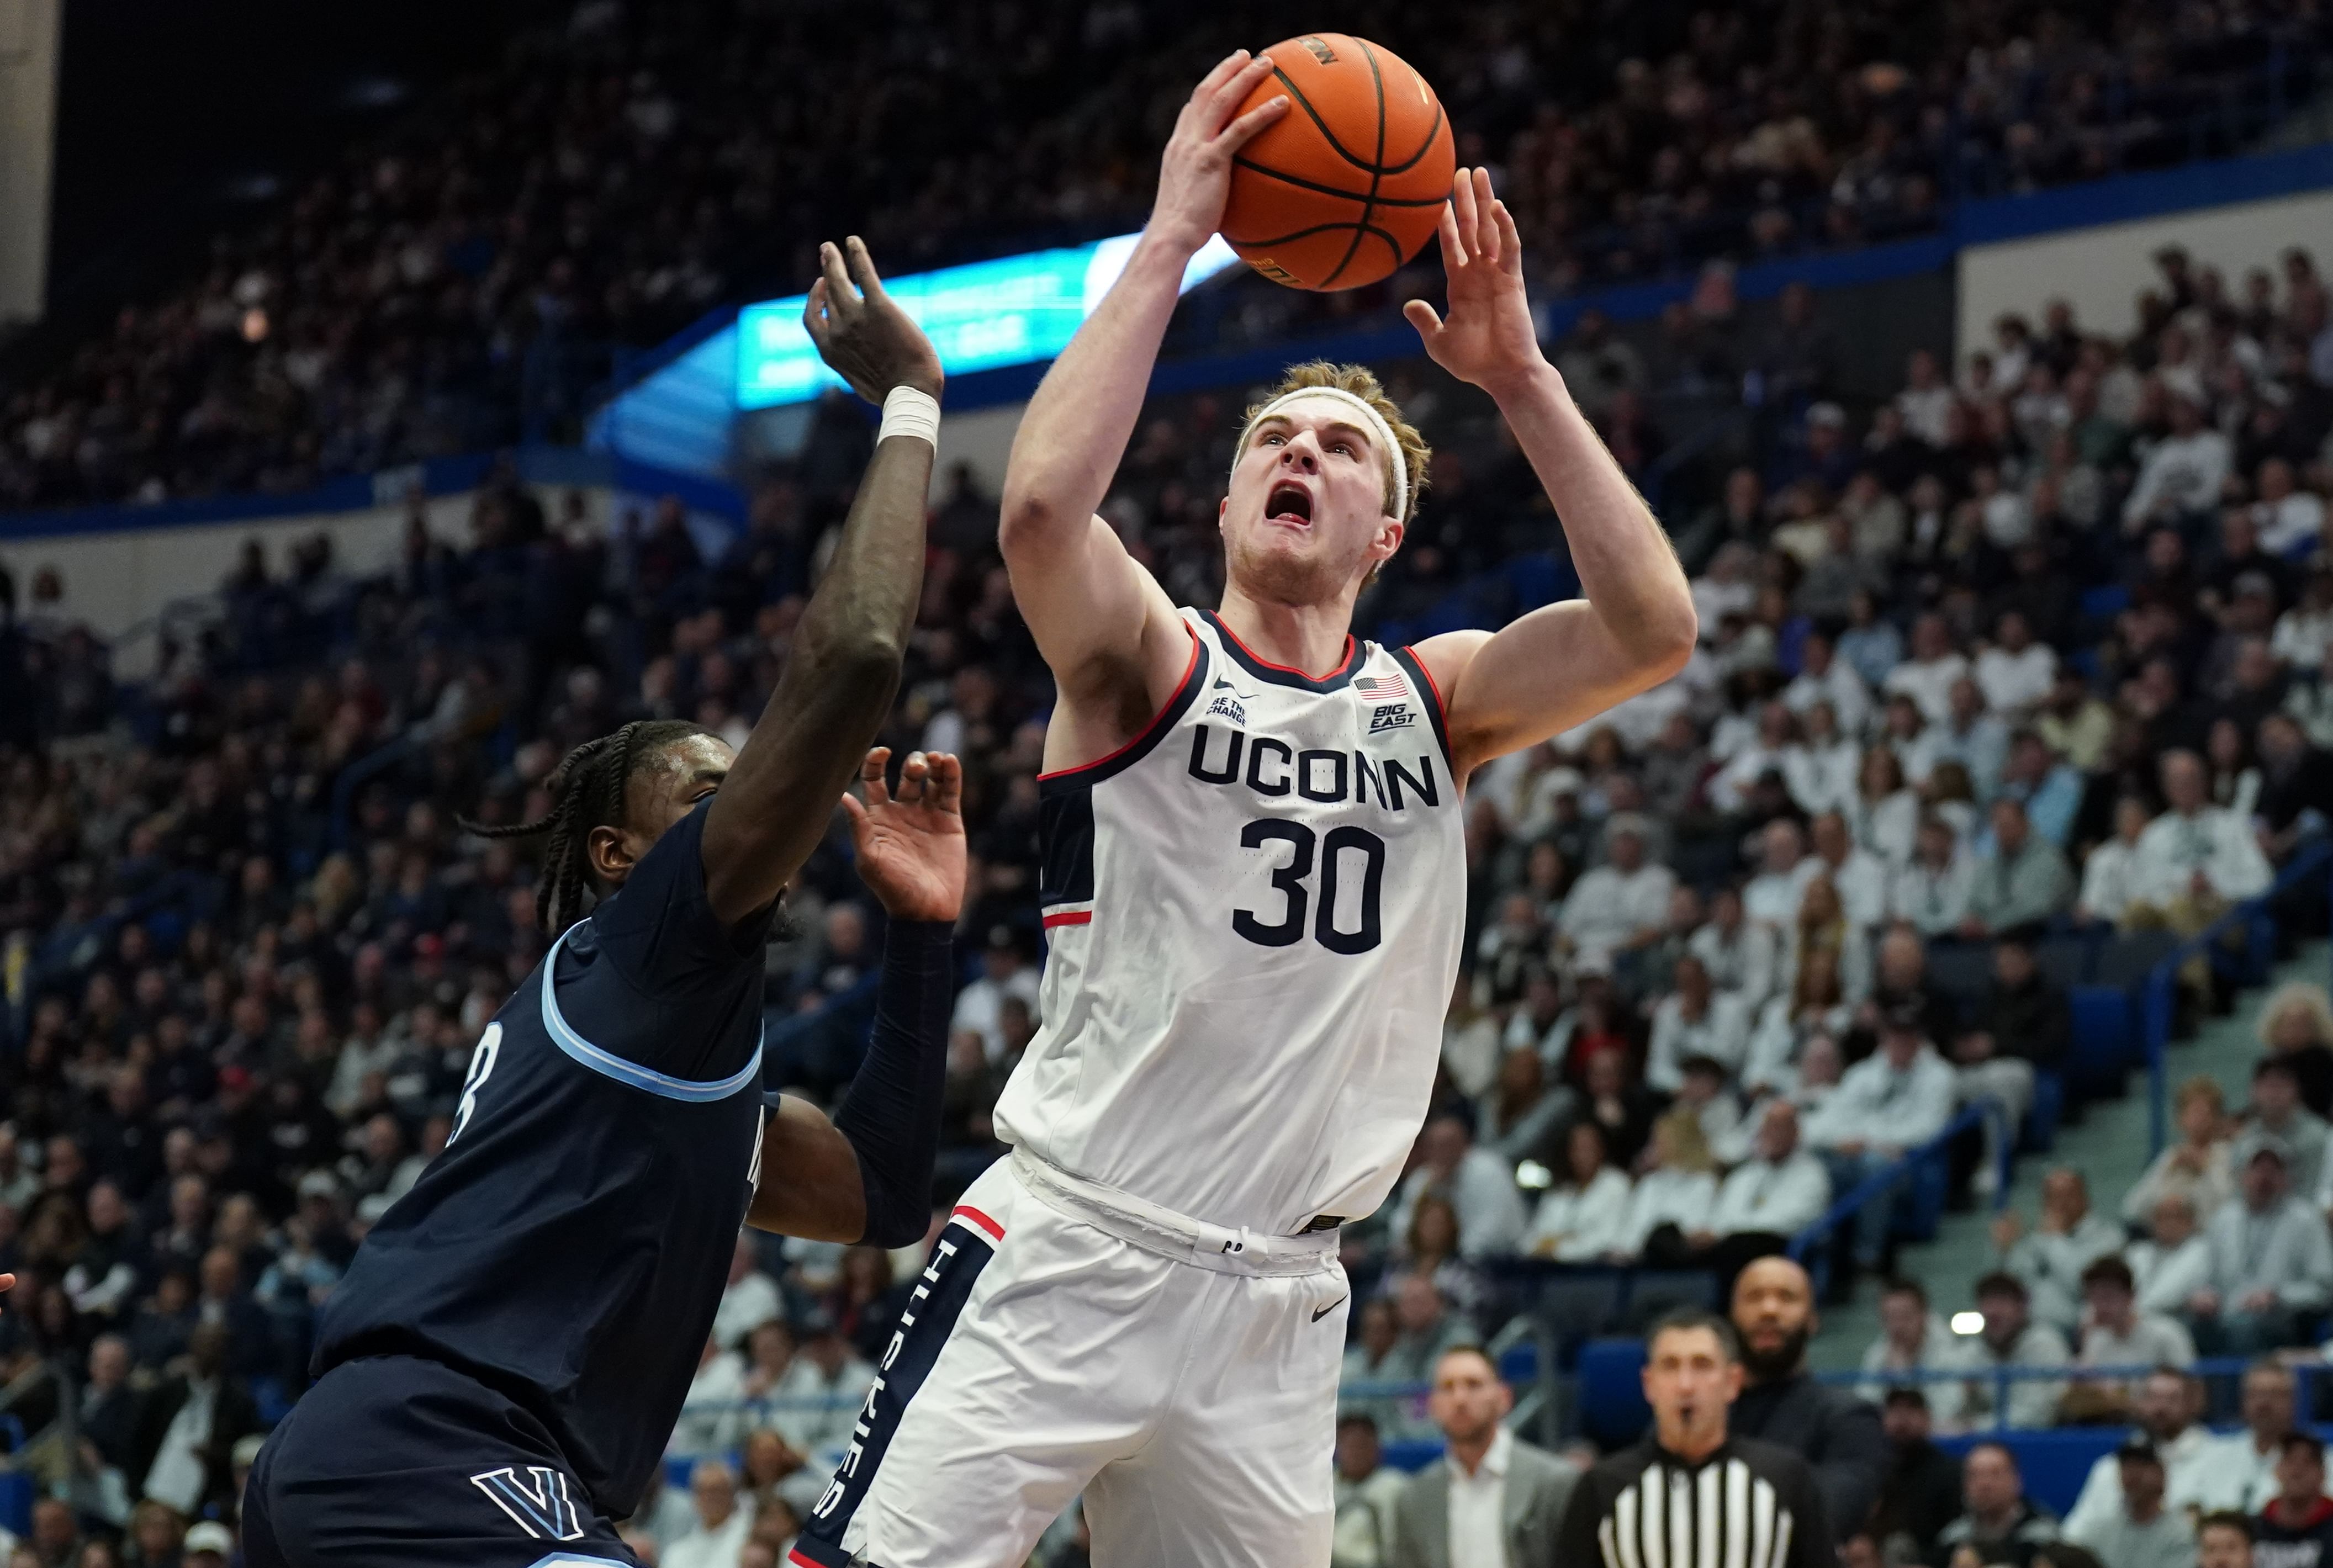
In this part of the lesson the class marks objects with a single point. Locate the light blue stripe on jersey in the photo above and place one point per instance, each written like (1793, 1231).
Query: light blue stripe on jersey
(633, 1073)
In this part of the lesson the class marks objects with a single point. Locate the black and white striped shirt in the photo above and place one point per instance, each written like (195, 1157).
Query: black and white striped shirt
(1749, 1504)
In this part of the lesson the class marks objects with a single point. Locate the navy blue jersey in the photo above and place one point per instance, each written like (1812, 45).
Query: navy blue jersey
(570, 1246)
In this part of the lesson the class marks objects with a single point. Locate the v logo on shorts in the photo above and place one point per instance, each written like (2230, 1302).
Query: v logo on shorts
(543, 1509)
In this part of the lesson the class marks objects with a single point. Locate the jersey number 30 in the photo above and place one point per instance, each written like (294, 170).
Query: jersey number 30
(1332, 849)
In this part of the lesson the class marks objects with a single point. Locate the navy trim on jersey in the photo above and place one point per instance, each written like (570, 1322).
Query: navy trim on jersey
(1065, 839)
(631, 1073)
(1264, 669)
(1195, 677)
(1431, 695)
(965, 1244)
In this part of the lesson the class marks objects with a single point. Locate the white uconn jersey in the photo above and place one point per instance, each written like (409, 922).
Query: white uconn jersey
(1254, 911)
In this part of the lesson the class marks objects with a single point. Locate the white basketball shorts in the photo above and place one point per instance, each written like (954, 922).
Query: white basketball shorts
(1065, 1338)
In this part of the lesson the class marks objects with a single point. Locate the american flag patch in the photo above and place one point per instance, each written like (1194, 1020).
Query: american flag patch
(1381, 688)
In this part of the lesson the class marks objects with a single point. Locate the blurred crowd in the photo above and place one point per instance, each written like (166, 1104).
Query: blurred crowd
(2035, 656)
(468, 281)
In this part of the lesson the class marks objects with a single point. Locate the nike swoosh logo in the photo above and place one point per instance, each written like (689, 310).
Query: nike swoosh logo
(1328, 1309)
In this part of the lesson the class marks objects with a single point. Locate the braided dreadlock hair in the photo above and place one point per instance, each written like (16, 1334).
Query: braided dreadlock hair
(586, 793)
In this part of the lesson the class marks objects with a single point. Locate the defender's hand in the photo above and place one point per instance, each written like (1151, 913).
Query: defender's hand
(1489, 339)
(861, 332)
(911, 849)
(1194, 175)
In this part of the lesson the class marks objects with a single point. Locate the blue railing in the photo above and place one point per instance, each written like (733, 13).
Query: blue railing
(2159, 992)
(1871, 1188)
(2305, 1375)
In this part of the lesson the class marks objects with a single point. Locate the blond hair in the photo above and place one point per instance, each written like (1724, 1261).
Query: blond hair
(2296, 996)
(1361, 382)
(1688, 1143)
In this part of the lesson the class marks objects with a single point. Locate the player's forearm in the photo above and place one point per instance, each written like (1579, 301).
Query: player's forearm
(834, 694)
(1629, 572)
(891, 1113)
(1078, 424)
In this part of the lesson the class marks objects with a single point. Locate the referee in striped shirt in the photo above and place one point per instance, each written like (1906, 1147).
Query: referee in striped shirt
(1688, 1494)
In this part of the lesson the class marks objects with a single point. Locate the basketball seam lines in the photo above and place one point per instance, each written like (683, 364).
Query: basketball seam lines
(1377, 173)
(1335, 146)
(1243, 160)
(1323, 229)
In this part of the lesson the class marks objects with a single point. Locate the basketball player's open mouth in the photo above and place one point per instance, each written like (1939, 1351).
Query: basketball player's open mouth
(1289, 503)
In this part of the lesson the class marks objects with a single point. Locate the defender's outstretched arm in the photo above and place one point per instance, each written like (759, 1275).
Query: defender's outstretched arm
(1100, 621)
(1634, 627)
(779, 797)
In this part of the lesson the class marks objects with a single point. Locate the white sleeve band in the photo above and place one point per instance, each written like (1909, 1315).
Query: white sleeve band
(908, 412)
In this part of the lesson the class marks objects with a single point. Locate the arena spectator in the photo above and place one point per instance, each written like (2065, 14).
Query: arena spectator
(2142, 1530)
(1780, 1191)
(1695, 1021)
(1895, 1100)
(1480, 1186)
(2196, 858)
(1913, 1338)
(1368, 1493)
(1738, 952)
(1581, 1216)
(2113, 880)
(2163, 1411)
(2224, 1540)
(2277, 1113)
(2272, 1261)
(750, 1300)
(2174, 1262)
(2011, 1338)
(1622, 903)
(2296, 1025)
(723, 1522)
(1855, 873)
(2023, 1028)
(2297, 1524)
(2196, 1166)
(1922, 1493)
(2021, 881)
(1673, 1197)
(2067, 1239)
(1492, 1497)
(1998, 1521)
(2237, 1470)
(2115, 1333)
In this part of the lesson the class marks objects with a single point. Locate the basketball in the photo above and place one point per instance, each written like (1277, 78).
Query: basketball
(1349, 183)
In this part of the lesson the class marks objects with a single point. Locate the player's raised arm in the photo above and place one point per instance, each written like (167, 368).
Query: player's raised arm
(1634, 627)
(1101, 623)
(866, 1175)
(780, 793)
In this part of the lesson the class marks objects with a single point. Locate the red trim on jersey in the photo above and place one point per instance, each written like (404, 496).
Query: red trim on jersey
(1440, 706)
(1330, 673)
(794, 1556)
(978, 1221)
(1070, 917)
(1144, 733)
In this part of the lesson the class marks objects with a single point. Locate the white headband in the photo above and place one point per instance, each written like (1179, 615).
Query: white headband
(1377, 426)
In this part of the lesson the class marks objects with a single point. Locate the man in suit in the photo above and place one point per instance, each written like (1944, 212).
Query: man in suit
(1493, 1500)
(185, 1447)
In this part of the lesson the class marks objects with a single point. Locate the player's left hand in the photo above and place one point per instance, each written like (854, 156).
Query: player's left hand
(910, 845)
(1489, 339)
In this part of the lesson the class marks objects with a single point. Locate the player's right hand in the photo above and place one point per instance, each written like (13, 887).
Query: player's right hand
(1195, 175)
(861, 332)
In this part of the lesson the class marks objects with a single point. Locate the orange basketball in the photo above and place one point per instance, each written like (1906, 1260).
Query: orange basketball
(1349, 183)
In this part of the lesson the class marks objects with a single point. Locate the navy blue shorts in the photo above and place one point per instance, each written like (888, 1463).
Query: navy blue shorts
(396, 1462)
